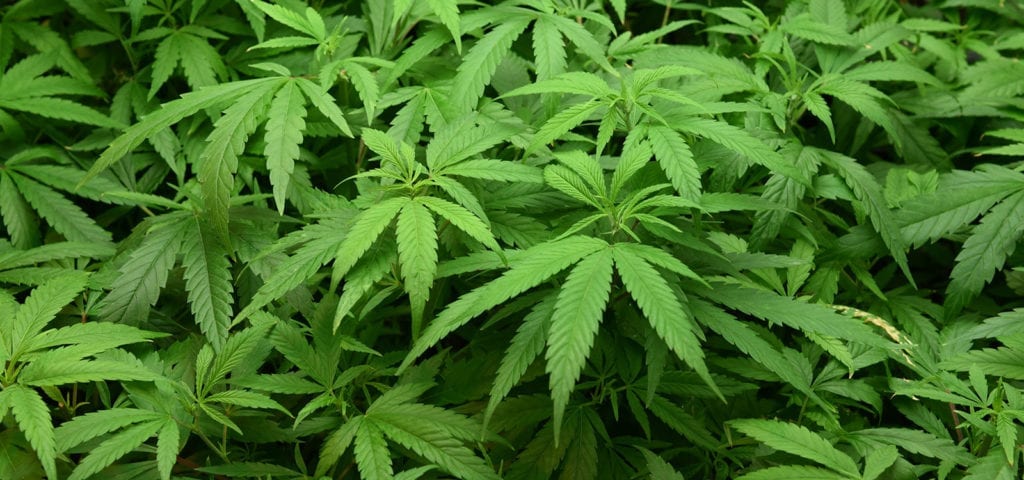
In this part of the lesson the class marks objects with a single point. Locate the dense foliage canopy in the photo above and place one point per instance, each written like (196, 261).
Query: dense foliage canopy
(530, 239)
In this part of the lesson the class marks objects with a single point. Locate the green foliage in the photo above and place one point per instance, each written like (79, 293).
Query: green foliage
(522, 239)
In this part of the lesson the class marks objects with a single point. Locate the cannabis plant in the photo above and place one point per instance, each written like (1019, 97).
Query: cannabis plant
(521, 240)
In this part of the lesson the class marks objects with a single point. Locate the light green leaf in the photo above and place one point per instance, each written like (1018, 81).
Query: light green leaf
(207, 281)
(22, 225)
(33, 418)
(57, 367)
(877, 461)
(60, 109)
(285, 124)
(798, 440)
(167, 448)
(429, 435)
(63, 215)
(793, 472)
(562, 122)
(463, 220)
(448, 12)
(497, 170)
(367, 227)
(142, 277)
(325, 103)
(675, 158)
(286, 42)
(960, 198)
(815, 318)
(113, 448)
(574, 324)
(291, 18)
(337, 442)
(523, 350)
(417, 255)
(1003, 362)
(92, 425)
(218, 161)
(548, 49)
(479, 64)
(41, 307)
(243, 398)
(366, 86)
(534, 266)
(371, 451)
(984, 252)
(663, 310)
(870, 194)
(172, 112)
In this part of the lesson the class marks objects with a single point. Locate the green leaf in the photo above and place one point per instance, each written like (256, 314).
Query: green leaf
(525, 347)
(286, 42)
(243, 398)
(218, 161)
(337, 442)
(870, 194)
(481, 61)
(371, 450)
(250, 470)
(960, 198)
(113, 448)
(325, 103)
(462, 139)
(292, 19)
(207, 281)
(172, 112)
(659, 468)
(575, 83)
(819, 319)
(60, 109)
(759, 349)
(63, 215)
(41, 307)
(33, 418)
(890, 71)
(142, 277)
(676, 159)
(793, 472)
(536, 265)
(741, 142)
(367, 227)
(167, 448)
(878, 461)
(57, 367)
(92, 425)
(574, 324)
(22, 226)
(548, 49)
(497, 170)
(324, 242)
(448, 12)
(805, 27)
(562, 122)
(984, 252)
(662, 309)
(463, 220)
(366, 86)
(428, 433)
(417, 255)
(1002, 362)
(863, 98)
(285, 124)
(797, 440)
